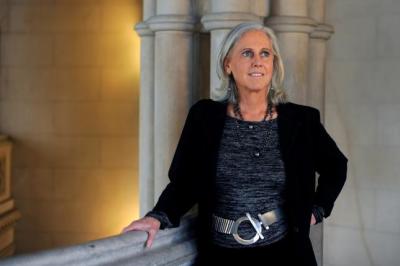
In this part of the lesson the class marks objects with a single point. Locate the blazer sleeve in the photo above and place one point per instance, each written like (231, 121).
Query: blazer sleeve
(180, 194)
(331, 165)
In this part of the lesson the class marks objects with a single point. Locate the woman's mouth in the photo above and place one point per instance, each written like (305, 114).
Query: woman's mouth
(256, 74)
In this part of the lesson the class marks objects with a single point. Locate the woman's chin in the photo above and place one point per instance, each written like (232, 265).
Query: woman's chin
(256, 89)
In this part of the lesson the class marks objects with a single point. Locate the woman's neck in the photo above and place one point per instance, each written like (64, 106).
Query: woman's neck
(253, 106)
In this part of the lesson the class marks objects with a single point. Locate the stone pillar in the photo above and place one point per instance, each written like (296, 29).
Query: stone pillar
(225, 14)
(294, 21)
(316, 88)
(317, 56)
(146, 114)
(173, 60)
(289, 19)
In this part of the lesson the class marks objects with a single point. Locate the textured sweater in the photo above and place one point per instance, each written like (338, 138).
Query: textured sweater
(250, 178)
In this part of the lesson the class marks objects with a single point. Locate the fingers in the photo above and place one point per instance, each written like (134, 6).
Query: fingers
(132, 226)
(136, 225)
(127, 229)
(147, 224)
(313, 220)
(150, 238)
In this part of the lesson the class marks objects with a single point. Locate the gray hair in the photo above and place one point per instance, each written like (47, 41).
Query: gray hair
(228, 90)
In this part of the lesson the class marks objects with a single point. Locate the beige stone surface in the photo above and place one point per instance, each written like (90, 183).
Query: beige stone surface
(82, 50)
(113, 119)
(51, 18)
(362, 89)
(116, 84)
(349, 243)
(37, 184)
(69, 93)
(16, 52)
(27, 118)
(47, 151)
(111, 149)
(44, 84)
(28, 241)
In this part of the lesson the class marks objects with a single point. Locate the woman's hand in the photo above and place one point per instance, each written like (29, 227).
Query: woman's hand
(313, 220)
(149, 224)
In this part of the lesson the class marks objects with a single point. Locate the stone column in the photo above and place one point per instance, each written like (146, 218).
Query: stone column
(317, 56)
(225, 14)
(173, 60)
(316, 88)
(289, 19)
(146, 114)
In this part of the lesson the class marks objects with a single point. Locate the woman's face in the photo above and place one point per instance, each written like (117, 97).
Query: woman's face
(250, 61)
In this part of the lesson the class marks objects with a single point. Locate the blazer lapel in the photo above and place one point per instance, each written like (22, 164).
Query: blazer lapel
(217, 125)
(288, 126)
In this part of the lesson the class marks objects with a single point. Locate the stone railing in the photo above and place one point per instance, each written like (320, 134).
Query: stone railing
(171, 247)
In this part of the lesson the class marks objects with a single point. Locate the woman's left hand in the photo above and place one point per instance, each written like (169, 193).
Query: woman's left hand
(313, 220)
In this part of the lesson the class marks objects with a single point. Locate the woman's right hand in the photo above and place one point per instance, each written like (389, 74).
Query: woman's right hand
(148, 224)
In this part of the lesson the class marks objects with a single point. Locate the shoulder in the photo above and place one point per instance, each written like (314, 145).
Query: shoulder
(298, 111)
(294, 107)
(205, 106)
(208, 103)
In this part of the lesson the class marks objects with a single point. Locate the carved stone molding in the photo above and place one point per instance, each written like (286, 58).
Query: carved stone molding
(322, 31)
(172, 23)
(226, 20)
(143, 29)
(291, 24)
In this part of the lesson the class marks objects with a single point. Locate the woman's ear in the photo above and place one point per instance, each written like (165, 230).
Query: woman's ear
(227, 66)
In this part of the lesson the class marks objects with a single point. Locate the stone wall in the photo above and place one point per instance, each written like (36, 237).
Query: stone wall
(363, 107)
(69, 99)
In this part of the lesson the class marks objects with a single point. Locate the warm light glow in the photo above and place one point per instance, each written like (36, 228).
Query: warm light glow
(125, 80)
(73, 91)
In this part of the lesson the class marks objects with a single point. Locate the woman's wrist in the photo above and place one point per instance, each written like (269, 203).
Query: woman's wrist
(161, 217)
(318, 213)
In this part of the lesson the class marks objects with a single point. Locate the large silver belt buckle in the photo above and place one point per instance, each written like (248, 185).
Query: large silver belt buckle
(256, 225)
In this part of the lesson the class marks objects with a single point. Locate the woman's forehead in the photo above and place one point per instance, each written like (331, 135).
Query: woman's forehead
(254, 38)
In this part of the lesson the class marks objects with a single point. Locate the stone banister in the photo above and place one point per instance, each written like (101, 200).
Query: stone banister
(171, 247)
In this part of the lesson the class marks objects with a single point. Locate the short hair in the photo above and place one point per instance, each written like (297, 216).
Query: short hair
(228, 90)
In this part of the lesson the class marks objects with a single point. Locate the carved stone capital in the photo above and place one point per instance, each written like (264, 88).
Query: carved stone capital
(143, 29)
(172, 23)
(291, 24)
(322, 31)
(226, 20)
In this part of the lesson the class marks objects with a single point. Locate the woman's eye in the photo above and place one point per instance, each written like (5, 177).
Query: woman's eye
(247, 53)
(265, 54)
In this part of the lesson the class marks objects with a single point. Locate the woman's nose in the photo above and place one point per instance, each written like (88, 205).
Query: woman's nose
(257, 61)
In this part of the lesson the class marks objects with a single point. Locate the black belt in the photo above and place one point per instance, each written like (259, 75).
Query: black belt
(227, 226)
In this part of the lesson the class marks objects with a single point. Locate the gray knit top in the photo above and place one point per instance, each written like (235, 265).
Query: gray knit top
(250, 178)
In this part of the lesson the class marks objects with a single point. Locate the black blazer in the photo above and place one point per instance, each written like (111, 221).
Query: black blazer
(306, 149)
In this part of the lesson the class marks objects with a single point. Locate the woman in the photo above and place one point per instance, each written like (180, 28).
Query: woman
(249, 161)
